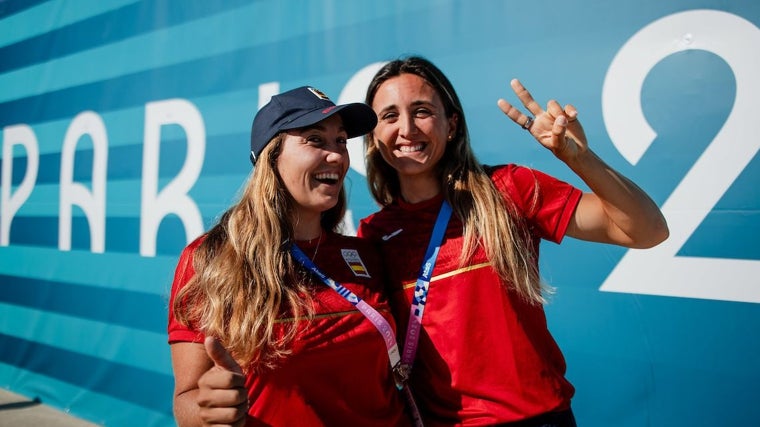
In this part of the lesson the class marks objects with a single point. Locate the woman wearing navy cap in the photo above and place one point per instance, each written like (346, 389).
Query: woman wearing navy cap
(275, 318)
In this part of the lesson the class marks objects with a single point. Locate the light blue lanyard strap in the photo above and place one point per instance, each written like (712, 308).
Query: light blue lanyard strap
(421, 289)
(367, 310)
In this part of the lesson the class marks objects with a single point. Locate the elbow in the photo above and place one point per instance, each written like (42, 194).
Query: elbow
(658, 233)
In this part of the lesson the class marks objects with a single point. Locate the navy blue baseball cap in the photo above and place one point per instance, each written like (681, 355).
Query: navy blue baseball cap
(302, 107)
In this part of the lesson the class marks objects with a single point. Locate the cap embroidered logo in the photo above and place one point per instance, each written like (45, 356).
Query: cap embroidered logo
(319, 94)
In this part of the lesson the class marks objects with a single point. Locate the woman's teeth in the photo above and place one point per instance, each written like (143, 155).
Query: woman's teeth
(411, 148)
(327, 177)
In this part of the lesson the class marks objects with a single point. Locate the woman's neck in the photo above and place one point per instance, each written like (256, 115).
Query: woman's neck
(418, 189)
(307, 228)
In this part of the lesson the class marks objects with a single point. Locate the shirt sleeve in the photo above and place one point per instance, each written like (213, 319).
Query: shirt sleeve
(182, 274)
(547, 202)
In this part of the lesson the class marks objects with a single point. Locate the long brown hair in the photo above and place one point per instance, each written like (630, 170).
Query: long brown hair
(488, 217)
(245, 279)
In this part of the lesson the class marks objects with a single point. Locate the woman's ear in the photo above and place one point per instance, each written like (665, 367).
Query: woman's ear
(453, 126)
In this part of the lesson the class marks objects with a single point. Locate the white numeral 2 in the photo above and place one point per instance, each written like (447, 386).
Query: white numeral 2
(659, 271)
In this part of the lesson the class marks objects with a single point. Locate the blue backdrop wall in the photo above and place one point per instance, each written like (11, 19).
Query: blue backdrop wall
(125, 134)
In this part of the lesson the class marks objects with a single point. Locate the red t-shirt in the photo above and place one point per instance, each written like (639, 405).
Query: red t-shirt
(484, 356)
(338, 373)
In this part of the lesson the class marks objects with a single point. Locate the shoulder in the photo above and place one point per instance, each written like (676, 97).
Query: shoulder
(511, 175)
(184, 269)
(189, 251)
(373, 226)
(195, 244)
(521, 179)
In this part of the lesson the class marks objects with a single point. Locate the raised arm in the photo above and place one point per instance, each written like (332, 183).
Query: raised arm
(616, 210)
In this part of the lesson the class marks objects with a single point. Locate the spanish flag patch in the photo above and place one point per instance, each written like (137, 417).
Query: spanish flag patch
(355, 263)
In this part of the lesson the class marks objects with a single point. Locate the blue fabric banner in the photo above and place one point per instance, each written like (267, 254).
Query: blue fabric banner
(125, 128)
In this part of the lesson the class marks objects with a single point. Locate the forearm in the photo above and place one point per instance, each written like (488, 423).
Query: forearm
(632, 218)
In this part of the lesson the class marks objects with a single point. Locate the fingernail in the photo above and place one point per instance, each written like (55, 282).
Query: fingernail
(561, 120)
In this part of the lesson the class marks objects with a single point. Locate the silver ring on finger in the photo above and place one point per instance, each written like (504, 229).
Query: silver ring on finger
(528, 123)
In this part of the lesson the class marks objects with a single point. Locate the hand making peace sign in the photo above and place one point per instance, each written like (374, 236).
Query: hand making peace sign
(555, 128)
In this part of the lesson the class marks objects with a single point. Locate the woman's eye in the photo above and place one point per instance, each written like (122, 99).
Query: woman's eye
(315, 140)
(423, 112)
(389, 116)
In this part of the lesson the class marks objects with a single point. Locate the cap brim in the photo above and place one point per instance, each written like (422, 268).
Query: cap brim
(358, 118)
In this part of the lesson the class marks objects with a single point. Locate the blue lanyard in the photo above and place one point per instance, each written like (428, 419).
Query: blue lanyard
(367, 310)
(421, 289)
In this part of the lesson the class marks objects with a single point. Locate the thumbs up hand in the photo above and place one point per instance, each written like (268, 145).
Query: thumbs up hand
(222, 396)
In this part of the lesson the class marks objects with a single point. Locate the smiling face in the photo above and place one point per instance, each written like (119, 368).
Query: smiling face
(312, 164)
(412, 130)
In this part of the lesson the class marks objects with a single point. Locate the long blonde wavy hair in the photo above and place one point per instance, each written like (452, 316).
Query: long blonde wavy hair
(488, 217)
(245, 279)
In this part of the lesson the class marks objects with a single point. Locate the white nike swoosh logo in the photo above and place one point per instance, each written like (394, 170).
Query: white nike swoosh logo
(390, 236)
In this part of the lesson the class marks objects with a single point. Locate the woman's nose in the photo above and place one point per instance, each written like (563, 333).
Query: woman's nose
(336, 152)
(407, 127)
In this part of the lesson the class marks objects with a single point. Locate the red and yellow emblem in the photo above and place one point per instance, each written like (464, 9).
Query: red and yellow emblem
(355, 263)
